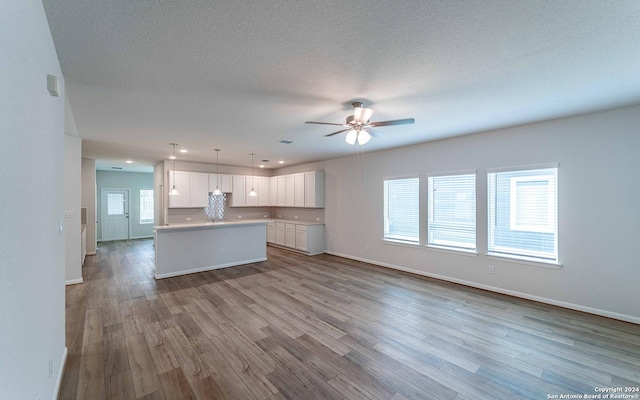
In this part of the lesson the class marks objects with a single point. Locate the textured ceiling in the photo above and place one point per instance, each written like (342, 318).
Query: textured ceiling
(241, 75)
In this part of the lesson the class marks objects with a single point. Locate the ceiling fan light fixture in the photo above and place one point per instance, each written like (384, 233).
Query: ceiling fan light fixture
(363, 137)
(362, 114)
(351, 136)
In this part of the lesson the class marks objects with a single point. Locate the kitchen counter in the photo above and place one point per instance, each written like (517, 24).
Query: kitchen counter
(188, 248)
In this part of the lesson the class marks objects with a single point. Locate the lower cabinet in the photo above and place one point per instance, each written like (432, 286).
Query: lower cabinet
(304, 238)
(271, 232)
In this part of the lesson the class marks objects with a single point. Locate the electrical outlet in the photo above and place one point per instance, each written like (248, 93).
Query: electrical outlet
(279, 216)
(239, 216)
(492, 269)
(70, 214)
(50, 367)
(188, 218)
(295, 217)
(317, 219)
(265, 216)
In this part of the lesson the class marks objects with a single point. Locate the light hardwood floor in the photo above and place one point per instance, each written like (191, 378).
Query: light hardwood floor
(324, 327)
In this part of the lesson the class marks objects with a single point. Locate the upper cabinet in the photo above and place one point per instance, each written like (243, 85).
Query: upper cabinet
(198, 189)
(180, 180)
(314, 189)
(273, 191)
(223, 181)
(298, 190)
(238, 196)
(242, 186)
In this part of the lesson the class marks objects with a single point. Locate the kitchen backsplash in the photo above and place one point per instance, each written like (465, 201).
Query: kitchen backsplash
(197, 215)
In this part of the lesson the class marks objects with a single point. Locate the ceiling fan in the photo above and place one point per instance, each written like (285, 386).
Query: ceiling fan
(357, 123)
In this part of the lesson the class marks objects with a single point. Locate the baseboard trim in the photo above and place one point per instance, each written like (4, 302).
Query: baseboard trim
(210, 268)
(539, 299)
(141, 237)
(91, 253)
(63, 364)
(73, 281)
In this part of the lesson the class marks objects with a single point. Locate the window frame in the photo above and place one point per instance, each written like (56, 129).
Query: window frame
(452, 248)
(397, 240)
(153, 211)
(518, 255)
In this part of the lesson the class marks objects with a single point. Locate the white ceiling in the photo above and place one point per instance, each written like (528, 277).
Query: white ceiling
(241, 75)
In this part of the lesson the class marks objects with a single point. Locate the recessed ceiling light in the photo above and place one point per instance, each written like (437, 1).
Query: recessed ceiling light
(287, 141)
(183, 150)
(261, 165)
(280, 162)
(129, 162)
(172, 157)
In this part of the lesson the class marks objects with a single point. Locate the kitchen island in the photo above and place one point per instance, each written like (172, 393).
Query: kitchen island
(188, 248)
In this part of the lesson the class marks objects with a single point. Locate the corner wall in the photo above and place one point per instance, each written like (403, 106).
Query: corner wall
(599, 211)
(32, 243)
(89, 201)
(72, 201)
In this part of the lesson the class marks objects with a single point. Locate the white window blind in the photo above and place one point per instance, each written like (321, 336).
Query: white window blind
(523, 217)
(401, 210)
(452, 211)
(146, 206)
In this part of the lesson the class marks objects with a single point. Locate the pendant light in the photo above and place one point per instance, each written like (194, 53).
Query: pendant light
(217, 192)
(174, 191)
(252, 193)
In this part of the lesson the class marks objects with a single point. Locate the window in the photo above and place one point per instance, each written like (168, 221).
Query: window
(146, 206)
(401, 210)
(523, 217)
(452, 212)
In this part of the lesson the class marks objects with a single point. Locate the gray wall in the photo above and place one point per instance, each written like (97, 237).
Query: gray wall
(599, 210)
(32, 255)
(134, 181)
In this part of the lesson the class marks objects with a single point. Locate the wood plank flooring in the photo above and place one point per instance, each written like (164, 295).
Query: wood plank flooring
(324, 327)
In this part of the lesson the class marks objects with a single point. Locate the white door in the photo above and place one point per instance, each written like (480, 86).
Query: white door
(115, 214)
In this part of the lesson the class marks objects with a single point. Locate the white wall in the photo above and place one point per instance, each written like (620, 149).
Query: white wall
(32, 255)
(72, 196)
(599, 209)
(89, 201)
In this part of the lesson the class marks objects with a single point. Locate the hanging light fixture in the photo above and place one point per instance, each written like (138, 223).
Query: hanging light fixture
(174, 191)
(252, 193)
(359, 134)
(217, 192)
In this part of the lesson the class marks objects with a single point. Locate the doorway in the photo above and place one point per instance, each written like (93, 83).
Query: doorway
(115, 214)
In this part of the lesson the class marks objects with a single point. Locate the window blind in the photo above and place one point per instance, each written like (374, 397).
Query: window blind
(451, 212)
(523, 217)
(401, 210)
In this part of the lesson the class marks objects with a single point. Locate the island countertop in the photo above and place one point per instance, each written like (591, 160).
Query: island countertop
(210, 225)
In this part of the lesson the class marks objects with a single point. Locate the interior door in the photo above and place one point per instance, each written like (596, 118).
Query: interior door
(115, 214)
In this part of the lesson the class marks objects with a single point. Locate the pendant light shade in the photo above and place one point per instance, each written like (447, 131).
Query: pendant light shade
(363, 137)
(252, 193)
(174, 191)
(351, 136)
(217, 191)
(362, 114)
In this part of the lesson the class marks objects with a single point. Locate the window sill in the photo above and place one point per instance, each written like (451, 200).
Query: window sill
(401, 243)
(524, 261)
(461, 252)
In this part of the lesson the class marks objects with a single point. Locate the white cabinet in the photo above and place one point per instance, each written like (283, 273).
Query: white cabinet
(238, 193)
(301, 238)
(198, 189)
(314, 189)
(290, 235)
(289, 188)
(298, 190)
(273, 191)
(251, 184)
(280, 234)
(308, 239)
(282, 190)
(223, 181)
(271, 232)
(263, 190)
(181, 181)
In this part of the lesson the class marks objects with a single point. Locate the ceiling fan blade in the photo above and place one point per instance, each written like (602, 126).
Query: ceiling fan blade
(335, 133)
(394, 122)
(322, 123)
